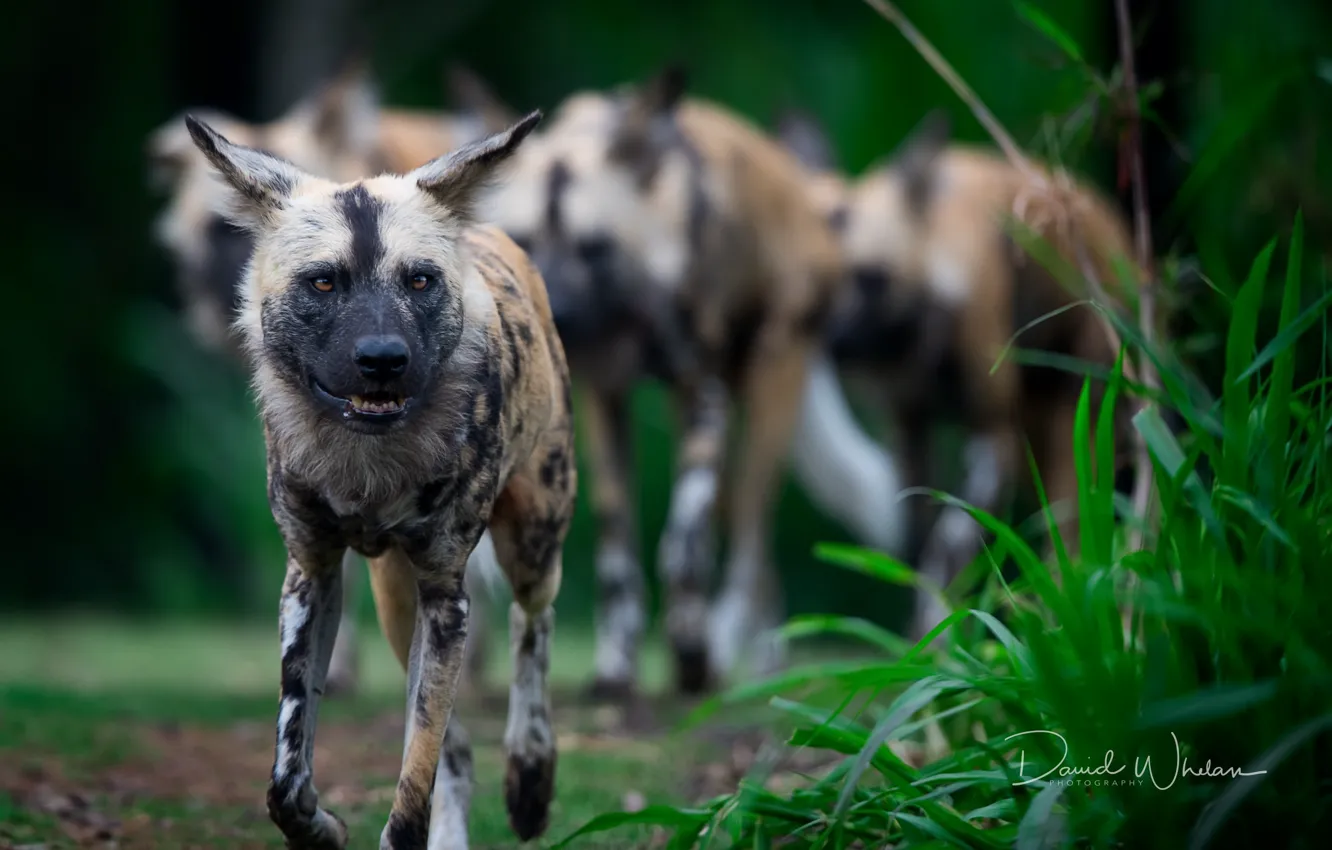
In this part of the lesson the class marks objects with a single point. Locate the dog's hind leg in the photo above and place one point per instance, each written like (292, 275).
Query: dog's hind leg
(394, 584)
(620, 614)
(425, 605)
(992, 458)
(751, 598)
(529, 524)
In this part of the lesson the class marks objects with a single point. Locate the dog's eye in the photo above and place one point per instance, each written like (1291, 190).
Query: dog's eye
(322, 283)
(594, 250)
(420, 281)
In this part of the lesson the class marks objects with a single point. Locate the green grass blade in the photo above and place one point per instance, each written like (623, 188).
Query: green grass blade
(1220, 809)
(873, 564)
(1051, 30)
(1017, 653)
(944, 625)
(1292, 328)
(1090, 527)
(912, 700)
(1039, 828)
(1032, 565)
(1166, 449)
(1205, 704)
(961, 833)
(828, 625)
(1246, 112)
(1235, 456)
(667, 816)
(1255, 510)
(844, 673)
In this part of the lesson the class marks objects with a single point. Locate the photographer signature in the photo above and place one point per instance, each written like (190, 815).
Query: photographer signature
(1140, 765)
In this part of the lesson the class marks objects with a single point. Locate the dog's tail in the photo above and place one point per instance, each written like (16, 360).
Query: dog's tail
(484, 574)
(842, 468)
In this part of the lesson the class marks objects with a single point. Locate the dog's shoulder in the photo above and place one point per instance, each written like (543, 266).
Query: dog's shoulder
(764, 187)
(510, 275)
(523, 328)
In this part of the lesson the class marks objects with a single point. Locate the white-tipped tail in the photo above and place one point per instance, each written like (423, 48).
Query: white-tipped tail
(484, 573)
(844, 471)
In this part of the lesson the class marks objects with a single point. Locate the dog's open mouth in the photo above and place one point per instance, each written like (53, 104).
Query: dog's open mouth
(376, 403)
(372, 407)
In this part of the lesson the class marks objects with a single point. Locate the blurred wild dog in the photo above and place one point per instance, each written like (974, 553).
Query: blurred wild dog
(676, 242)
(936, 287)
(339, 131)
(414, 394)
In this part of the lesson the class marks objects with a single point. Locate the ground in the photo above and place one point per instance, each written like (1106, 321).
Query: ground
(137, 735)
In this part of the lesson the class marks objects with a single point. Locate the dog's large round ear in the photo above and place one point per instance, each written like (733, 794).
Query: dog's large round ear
(917, 158)
(470, 95)
(169, 150)
(663, 92)
(802, 134)
(342, 114)
(646, 128)
(455, 179)
(261, 183)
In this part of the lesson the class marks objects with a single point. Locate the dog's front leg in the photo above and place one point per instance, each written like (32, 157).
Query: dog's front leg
(433, 671)
(311, 604)
(685, 551)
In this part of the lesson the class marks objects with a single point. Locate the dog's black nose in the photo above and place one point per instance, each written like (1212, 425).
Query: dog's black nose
(381, 357)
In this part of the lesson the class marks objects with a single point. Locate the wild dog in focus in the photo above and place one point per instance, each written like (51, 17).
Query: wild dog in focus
(937, 286)
(341, 132)
(676, 241)
(413, 393)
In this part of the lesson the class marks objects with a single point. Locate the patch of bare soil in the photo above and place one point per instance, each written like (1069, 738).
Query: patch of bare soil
(212, 780)
(184, 785)
(190, 769)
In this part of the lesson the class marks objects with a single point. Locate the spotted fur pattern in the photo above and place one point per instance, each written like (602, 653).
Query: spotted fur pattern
(340, 132)
(414, 394)
(677, 243)
(936, 287)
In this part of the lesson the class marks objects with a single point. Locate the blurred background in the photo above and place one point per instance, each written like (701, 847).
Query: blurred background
(134, 459)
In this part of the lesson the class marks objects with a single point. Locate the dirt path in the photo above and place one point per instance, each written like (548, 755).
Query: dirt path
(181, 783)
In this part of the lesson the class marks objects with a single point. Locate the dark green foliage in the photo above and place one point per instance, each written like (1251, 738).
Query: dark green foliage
(139, 455)
(1229, 668)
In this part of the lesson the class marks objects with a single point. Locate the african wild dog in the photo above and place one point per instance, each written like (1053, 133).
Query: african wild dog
(936, 287)
(413, 393)
(676, 241)
(340, 132)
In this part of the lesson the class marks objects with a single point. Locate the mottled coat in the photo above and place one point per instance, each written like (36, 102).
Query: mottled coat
(414, 394)
(937, 286)
(676, 241)
(340, 132)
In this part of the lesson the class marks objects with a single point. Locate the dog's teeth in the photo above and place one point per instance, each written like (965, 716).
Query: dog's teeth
(366, 405)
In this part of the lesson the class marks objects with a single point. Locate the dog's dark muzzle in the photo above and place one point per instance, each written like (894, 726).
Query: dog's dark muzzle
(377, 397)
